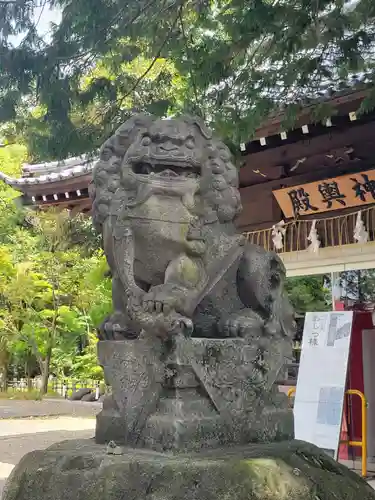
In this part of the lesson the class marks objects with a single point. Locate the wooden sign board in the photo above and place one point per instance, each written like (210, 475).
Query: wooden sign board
(351, 190)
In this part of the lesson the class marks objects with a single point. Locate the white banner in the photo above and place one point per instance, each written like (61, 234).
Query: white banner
(322, 373)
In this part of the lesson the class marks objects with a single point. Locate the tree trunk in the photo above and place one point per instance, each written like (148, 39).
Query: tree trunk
(361, 298)
(45, 370)
(3, 377)
(28, 373)
(4, 363)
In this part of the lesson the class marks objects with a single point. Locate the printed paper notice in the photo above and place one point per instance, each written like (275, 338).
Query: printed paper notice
(321, 382)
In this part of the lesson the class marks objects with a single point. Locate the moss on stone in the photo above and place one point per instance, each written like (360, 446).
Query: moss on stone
(280, 471)
(273, 478)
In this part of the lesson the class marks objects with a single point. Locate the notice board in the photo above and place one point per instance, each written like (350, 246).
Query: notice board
(322, 374)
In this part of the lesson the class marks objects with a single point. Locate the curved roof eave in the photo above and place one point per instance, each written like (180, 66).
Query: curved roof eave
(11, 181)
(22, 183)
(59, 165)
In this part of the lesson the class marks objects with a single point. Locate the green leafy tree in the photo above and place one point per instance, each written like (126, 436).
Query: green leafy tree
(86, 365)
(4, 359)
(11, 218)
(237, 60)
(6, 273)
(308, 293)
(93, 302)
(358, 285)
(48, 292)
(42, 309)
(53, 292)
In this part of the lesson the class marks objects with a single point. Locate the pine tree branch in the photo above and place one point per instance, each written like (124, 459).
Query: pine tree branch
(156, 57)
(34, 28)
(193, 81)
(112, 21)
(115, 106)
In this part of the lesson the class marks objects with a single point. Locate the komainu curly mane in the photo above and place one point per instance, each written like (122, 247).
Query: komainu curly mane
(219, 180)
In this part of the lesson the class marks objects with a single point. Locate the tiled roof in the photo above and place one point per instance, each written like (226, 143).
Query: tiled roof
(45, 173)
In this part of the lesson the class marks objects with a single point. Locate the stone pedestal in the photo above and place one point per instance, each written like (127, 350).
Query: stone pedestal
(85, 471)
(191, 394)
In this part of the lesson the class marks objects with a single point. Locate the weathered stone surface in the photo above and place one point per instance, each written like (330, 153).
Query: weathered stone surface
(135, 371)
(201, 325)
(191, 394)
(85, 471)
(165, 196)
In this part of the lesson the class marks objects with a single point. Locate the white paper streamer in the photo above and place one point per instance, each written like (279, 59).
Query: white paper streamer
(360, 233)
(278, 231)
(313, 238)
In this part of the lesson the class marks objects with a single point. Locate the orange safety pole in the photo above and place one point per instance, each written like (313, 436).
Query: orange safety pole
(363, 442)
(291, 391)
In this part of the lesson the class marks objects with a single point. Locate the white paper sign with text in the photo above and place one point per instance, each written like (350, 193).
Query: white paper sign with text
(322, 373)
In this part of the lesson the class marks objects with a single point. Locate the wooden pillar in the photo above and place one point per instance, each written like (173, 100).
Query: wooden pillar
(337, 304)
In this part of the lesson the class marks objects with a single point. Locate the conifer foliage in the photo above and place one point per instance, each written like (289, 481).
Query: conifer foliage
(232, 61)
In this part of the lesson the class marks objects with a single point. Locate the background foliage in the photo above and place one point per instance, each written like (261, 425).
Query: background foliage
(309, 293)
(230, 61)
(53, 292)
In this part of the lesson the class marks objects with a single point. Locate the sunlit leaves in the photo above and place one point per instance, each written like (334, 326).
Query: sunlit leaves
(221, 60)
(308, 293)
(292, 46)
(52, 299)
(52, 290)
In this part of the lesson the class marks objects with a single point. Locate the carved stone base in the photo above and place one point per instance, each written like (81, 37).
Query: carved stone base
(163, 433)
(84, 470)
(192, 394)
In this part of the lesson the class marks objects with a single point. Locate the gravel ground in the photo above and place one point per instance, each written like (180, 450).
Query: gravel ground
(11, 408)
(20, 436)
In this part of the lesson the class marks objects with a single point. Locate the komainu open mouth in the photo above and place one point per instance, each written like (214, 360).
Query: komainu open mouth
(166, 170)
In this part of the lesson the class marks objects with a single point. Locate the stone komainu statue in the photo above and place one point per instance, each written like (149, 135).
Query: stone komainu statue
(201, 327)
(165, 195)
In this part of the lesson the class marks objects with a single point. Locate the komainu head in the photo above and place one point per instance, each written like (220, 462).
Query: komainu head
(166, 153)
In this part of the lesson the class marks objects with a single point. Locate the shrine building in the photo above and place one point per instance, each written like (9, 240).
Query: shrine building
(316, 188)
(62, 184)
